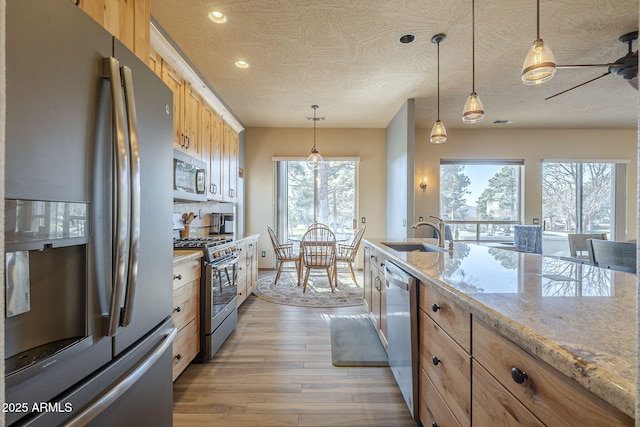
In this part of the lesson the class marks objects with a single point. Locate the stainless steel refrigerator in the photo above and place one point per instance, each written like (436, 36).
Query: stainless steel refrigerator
(88, 227)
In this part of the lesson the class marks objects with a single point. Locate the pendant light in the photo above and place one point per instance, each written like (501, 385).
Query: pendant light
(438, 132)
(315, 157)
(473, 110)
(539, 65)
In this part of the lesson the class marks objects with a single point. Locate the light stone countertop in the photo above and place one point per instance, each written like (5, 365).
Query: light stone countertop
(578, 318)
(185, 254)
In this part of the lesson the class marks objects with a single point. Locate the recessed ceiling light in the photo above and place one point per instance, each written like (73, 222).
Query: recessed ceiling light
(502, 122)
(242, 64)
(407, 38)
(218, 17)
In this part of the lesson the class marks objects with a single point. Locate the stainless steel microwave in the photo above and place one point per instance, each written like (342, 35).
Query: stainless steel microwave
(189, 178)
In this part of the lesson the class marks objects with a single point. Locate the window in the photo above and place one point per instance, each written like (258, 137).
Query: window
(324, 194)
(481, 200)
(581, 197)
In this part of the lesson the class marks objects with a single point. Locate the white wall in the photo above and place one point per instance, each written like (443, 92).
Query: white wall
(532, 146)
(262, 144)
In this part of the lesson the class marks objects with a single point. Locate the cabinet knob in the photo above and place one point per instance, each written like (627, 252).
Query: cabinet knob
(434, 424)
(179, 277)
(518, 375)
(177, 309)
(435, 307)
(435, 360)
(178, 356)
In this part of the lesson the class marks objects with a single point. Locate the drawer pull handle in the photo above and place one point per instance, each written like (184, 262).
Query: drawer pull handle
(178, 356)
(177, 309)
(179, 277)
(435, 360)
(434, 424)
(435, 307)
(518, 375)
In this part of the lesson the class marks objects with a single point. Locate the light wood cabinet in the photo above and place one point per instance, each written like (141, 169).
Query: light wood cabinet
(175, 82)
(212, 136)
(374, 294)
(191, 124)
(230, 165)
(445, 361)
(186, 313)
(447, 366)
(552, 397)
(247, 267)
(129, 21)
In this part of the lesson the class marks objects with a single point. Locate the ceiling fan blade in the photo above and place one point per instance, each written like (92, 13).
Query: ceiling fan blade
(577, 86)
(584, 65)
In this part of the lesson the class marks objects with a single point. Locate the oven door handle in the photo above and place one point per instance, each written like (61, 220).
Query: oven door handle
(228, 263)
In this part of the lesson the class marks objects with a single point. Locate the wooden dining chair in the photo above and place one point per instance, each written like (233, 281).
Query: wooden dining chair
(578, 243)
(284, 253)
(614, 255)
(318, 250)
(346, 253)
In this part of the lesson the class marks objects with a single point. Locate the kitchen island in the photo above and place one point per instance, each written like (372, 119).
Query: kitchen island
(576, 321)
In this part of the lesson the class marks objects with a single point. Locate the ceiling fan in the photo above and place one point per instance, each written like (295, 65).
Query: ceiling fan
(625, 67)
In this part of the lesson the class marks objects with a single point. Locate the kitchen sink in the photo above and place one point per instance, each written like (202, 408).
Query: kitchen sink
(412, 247)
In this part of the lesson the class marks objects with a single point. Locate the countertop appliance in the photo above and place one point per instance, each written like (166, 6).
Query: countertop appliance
(218, 290)
(90, 255)
(402, 332)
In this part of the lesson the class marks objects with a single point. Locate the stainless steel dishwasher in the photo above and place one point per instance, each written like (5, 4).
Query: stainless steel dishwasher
(402, 331)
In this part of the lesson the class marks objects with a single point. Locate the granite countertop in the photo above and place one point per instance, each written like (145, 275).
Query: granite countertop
(185, 254)
(578, 318)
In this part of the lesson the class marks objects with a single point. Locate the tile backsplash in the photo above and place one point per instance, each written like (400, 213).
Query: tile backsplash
(200, 226)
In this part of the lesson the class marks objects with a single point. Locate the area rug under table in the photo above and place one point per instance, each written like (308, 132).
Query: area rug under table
(318, 293)
(355, 342)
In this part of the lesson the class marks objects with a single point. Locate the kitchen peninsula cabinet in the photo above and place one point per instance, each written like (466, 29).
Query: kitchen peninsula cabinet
(186, 308)
(518, 346)
(247, 267)
(128, 21)
(374, 290)
(445, 362)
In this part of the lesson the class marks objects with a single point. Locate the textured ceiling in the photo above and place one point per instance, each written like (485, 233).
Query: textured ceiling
(345, 57)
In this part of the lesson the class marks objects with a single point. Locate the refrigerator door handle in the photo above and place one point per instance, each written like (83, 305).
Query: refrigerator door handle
(119, 389)
(121, 200)
(134, 162)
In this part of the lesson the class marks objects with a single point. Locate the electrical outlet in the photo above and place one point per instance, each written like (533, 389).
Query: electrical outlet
(420, 218)
(536, 220)
(264, 254)
(364, 220)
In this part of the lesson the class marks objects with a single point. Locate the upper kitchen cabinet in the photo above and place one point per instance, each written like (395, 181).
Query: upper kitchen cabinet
(230, 164)
(211, 133)
(191, 125)
(127, 20)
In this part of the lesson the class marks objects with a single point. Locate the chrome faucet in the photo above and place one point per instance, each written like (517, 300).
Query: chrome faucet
(439, 229)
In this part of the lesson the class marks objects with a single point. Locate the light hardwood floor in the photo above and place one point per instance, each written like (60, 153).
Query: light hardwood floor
(275, 370)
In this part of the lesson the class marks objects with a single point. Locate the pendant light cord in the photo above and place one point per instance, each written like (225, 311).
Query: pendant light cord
(438, 80)
(315, 107)
(473, 46)
(538, 20)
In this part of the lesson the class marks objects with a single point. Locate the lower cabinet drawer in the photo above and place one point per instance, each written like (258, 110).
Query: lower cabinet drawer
(448, 366)
(186, 304)
(493, 405)
(186, 346)
(433, 410)
(185, 272)
(451, 317)
(550, 395)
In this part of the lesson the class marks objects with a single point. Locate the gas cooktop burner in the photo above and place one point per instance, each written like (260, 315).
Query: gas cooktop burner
(216, 249)
(200, 242)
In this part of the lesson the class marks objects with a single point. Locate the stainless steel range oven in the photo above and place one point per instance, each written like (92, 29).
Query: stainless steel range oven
(219, 289)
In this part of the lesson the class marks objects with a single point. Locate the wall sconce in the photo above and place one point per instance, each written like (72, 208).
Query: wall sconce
(424, 184)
